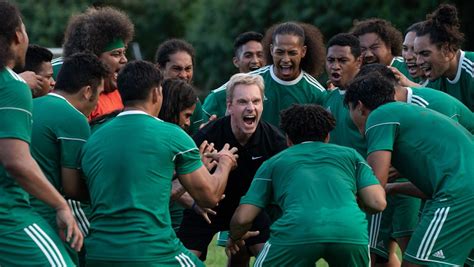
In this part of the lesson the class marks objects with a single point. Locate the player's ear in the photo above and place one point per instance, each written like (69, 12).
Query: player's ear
(288, 141)
(235, 60)
(326, 140)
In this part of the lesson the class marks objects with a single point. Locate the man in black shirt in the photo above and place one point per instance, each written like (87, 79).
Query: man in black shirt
(256, 141)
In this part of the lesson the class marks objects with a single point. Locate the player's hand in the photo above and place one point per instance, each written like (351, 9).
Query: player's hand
(68, 229)
(204, 212)
(226, 153)
(393, 174)
(206, 148)
(233, 246)
(402, 79)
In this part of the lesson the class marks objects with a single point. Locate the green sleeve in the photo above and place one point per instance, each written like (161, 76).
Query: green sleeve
(380, 132)
(186, 155)
(364, 174)
(215, 103)
(261, 190)
(197, 118)
(15, 111)
(71, 140)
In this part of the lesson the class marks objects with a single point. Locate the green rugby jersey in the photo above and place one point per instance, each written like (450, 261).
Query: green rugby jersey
(399, 64)
(58, 135)
(433, 151)
(197, 118)
(443, 103)
(462, 87)
(279, 95)
(129, 164)
(16, 121)
(315, 185)
(346, 132)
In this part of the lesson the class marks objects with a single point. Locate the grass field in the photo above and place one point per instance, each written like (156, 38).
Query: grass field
(216, 257)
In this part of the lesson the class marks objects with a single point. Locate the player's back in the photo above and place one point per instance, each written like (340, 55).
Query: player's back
(315, 185)
(430, 149)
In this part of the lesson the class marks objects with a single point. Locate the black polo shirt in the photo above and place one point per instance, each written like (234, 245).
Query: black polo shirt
(262, 145)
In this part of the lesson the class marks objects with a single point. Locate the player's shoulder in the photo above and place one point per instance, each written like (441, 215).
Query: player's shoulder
(467, 63)
(313, 82)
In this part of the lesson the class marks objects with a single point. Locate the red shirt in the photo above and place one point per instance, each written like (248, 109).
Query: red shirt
(108, 102)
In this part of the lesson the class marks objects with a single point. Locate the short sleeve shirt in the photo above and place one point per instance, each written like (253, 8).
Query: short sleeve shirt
(129, 165)
(16, 123)
(315, 184)
(434, 152)
(262, 145)
(58, 135)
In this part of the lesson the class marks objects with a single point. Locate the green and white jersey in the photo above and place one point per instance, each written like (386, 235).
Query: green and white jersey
(443, 103)
(399, 64)
(129, 165)
(59, 133)
(462, 87)
(15, 122)
(346, 132)
(57, 64)
(433, 151)
(315, 185)
(279, 95)
(197, 118)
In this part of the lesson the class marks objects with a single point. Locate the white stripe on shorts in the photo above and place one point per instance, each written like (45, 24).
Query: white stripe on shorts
(187, 260)
(374, 229)
(263, 254)
(51, 243)
(432, 233)
(46, 251)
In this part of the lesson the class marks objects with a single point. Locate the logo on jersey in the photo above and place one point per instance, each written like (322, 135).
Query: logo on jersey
(439, 254)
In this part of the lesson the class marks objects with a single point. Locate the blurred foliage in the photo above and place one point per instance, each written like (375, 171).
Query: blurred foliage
(212, 25)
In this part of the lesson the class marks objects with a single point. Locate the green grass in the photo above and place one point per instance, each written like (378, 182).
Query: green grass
(216, 257)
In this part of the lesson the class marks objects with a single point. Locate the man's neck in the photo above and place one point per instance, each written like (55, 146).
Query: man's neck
(401, 93)
(453, 66)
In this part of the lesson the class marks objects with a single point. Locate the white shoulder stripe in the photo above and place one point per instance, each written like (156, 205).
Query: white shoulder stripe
(183, 152)
(419, 101)
(363, 163)
(468, 68)
(180, 261)
(262, 179)
(381, 124)
(19, 109)
(315, 84)
(71, 139)
(221, 88)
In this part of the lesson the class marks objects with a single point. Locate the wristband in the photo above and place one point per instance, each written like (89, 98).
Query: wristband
(193, 206)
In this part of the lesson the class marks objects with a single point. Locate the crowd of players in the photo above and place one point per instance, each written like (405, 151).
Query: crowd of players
(123, 155)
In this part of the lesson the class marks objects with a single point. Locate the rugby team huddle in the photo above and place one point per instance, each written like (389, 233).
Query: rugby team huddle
(106, 162)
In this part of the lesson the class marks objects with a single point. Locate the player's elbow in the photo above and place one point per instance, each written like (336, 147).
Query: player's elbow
(373, 198)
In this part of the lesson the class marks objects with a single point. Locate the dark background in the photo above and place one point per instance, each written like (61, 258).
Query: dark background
(211, 25)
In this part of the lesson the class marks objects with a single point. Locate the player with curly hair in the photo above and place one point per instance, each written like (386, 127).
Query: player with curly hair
(316, 185)
(105, 32)
(438, 46)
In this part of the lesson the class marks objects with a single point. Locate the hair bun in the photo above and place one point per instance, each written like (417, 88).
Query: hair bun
(445, 15)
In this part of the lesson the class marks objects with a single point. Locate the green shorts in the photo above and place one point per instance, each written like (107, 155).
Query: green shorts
(335, 254)
(182, 258)
(399, 219)
(445, 234)
(34, 245)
